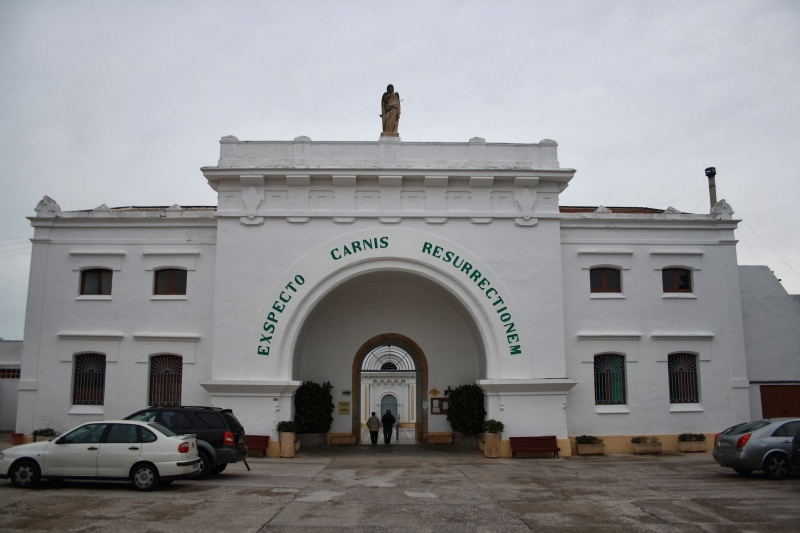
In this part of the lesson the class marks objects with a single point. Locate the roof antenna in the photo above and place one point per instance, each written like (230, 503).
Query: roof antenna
(711, 173)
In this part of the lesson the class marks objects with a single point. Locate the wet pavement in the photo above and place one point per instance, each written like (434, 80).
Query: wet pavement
(423, 489)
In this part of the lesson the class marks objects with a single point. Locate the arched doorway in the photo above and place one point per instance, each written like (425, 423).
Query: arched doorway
(378, 355)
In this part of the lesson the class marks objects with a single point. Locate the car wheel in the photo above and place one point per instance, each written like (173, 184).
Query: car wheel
(743, 471)
(144, 477)
(776, 466)
(24, 474)
(218, 468)
(205, 466)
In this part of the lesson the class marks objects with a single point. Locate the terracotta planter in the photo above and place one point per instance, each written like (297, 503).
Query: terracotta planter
(491, 445)
(645, 448)
(692, 446)
(16, 438)
(287, 444)
(591, 449)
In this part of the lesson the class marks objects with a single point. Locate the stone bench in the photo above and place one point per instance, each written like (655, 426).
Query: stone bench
(440, 437)
(343, 440)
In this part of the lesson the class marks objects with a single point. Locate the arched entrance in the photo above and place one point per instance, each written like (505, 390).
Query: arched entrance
(418, 396)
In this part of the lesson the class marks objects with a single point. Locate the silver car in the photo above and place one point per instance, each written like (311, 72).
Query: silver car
(764, 445)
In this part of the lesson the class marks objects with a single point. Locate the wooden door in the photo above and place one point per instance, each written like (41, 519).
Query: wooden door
(780, 400)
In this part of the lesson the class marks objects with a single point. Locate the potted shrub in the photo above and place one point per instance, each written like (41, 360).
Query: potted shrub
(590, 445)
(491, 438)
(691, 442)
(465, 412)
(287, 430)
(645, 445)
(313, 412)
(44, 434)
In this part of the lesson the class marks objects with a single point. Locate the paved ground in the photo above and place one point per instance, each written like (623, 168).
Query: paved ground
(424, 489)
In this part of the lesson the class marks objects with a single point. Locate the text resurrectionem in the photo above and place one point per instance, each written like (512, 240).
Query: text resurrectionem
(475, 275)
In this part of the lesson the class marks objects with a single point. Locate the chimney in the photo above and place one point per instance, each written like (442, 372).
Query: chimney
(711, 172)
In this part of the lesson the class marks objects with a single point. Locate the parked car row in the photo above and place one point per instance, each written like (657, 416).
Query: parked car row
(149, 448)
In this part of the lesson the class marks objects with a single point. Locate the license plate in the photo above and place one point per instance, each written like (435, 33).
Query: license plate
(196, 466)
(723, 444)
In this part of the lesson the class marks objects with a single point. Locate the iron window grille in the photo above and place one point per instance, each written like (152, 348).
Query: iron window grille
(90, 379)
(166, 378)
(605, 280)
(682, 368)
(9, 373)
(96, 281)
(170, 281)
(676, 280)
(609, 379)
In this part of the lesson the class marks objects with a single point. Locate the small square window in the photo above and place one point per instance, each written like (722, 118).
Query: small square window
(170, 281)
(676, 280)
(605, 280)
(96, 281)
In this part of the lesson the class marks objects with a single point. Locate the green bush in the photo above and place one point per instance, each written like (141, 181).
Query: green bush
(493, 426)
(313, 407)
(691, 437)
(465, 412)
(287, 426)
(45, 432)
(588, 439)
(641, 439)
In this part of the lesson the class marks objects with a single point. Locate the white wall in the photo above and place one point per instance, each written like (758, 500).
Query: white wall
(645, 325)
(127, 327)
(771, 326)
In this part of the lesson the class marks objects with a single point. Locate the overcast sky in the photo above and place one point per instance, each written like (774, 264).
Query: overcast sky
(121, 102)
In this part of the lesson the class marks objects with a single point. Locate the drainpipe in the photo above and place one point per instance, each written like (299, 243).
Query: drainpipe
(711, 173)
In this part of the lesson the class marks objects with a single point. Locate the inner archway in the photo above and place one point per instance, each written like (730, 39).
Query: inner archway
(389, 308)
(376, 357)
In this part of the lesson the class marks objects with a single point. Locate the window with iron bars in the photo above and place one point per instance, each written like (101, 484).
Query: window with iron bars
(9, 373)
(166, 378)
(609, 379)
(682, 368)
(89, 380)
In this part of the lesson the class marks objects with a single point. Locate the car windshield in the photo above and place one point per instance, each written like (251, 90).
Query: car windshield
(750, 426)
(162, 429)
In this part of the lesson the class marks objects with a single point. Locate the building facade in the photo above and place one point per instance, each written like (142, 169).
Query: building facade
(573, 320)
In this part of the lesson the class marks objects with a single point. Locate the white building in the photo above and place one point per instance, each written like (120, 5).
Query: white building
(610, 322)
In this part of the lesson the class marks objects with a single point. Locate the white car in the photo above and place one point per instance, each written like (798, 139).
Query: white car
(146, 453)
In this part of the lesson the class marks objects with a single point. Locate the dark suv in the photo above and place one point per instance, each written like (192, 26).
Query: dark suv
(220, 436)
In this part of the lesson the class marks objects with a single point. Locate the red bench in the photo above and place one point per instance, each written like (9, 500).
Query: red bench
(256, 444)
(547, 443)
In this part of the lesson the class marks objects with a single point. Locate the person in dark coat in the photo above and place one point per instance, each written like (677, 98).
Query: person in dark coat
(388, 423)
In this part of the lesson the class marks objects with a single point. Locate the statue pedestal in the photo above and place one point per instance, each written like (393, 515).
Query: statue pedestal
(387, 134)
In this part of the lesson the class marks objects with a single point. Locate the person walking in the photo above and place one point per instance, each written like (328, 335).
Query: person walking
(388, 423)
(373, 425)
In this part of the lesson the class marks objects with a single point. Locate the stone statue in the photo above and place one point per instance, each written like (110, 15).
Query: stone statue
(390, 107)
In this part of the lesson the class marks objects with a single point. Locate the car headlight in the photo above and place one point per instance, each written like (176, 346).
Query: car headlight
(2, 455)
